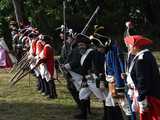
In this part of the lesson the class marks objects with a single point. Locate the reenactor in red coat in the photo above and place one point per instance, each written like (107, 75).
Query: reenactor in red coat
(39, 49)
(47, 67)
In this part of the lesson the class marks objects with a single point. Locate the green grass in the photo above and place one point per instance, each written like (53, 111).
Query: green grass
(23, 102)
(157, 55)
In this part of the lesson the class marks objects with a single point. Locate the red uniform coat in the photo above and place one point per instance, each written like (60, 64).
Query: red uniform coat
(48, 55)
(33, 47)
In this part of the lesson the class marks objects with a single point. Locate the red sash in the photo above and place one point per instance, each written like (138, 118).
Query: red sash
(154, 111)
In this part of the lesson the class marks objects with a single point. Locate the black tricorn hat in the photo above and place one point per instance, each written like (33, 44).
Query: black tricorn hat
(100, 40)
(82, 38)
(99, 37)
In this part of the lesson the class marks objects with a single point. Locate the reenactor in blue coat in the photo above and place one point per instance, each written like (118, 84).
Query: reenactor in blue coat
(115, 65)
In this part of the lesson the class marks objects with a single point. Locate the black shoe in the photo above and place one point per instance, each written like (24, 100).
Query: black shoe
(51, 97)
(88, 106)
(80, 117)
(52, 89)
(83, 114)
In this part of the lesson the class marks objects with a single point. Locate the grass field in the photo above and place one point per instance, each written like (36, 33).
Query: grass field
(157, 55)
(23, 102)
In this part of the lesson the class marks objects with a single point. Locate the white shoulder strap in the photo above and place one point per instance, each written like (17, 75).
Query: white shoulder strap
(138, 54)
(85, 55)
(129, 78)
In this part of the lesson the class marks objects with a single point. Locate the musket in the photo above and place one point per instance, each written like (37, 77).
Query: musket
(19, 64)
(26, 64)
(16, 64)
(64, 71)
(60, 67)
(24, 60)
(90, 20)
(29, 62)
(64, 23)
(22, 76)
(18, 75)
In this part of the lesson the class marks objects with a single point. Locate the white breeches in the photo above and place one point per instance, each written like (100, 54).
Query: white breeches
(76, 79)
(41, 70)
(125, 106)
(44, 72)
(86, 92)
(122, 102)
(35, 70)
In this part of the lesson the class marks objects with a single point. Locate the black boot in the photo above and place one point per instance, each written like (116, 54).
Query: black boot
(104, 111)
(112, 113)
(89, 106)
(52, 89)
(118, 113)
(83, 114)
(39, 87)
(46, 88)
(75, 94)
(108, 113)
(43, 85)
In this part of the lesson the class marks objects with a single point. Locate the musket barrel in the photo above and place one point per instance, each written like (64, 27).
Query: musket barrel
(16, 67)
(87, 25)
(18, 72)
(20, 77)
(23, 74)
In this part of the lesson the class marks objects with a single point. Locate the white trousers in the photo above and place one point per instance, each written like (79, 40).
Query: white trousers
(76, 79)
(123, 103)
(35, 70)
(125, 106)
(44, 72)
(41, 70)
(87, 91)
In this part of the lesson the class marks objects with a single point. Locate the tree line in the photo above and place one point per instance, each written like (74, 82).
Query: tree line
(47, 15)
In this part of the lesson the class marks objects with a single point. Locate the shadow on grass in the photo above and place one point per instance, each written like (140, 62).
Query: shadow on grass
(38, 111)
(23, 102)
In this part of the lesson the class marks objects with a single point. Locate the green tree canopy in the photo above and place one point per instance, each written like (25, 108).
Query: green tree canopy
(46, 15)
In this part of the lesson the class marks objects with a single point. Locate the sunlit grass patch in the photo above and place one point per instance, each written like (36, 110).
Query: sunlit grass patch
(24, 102)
